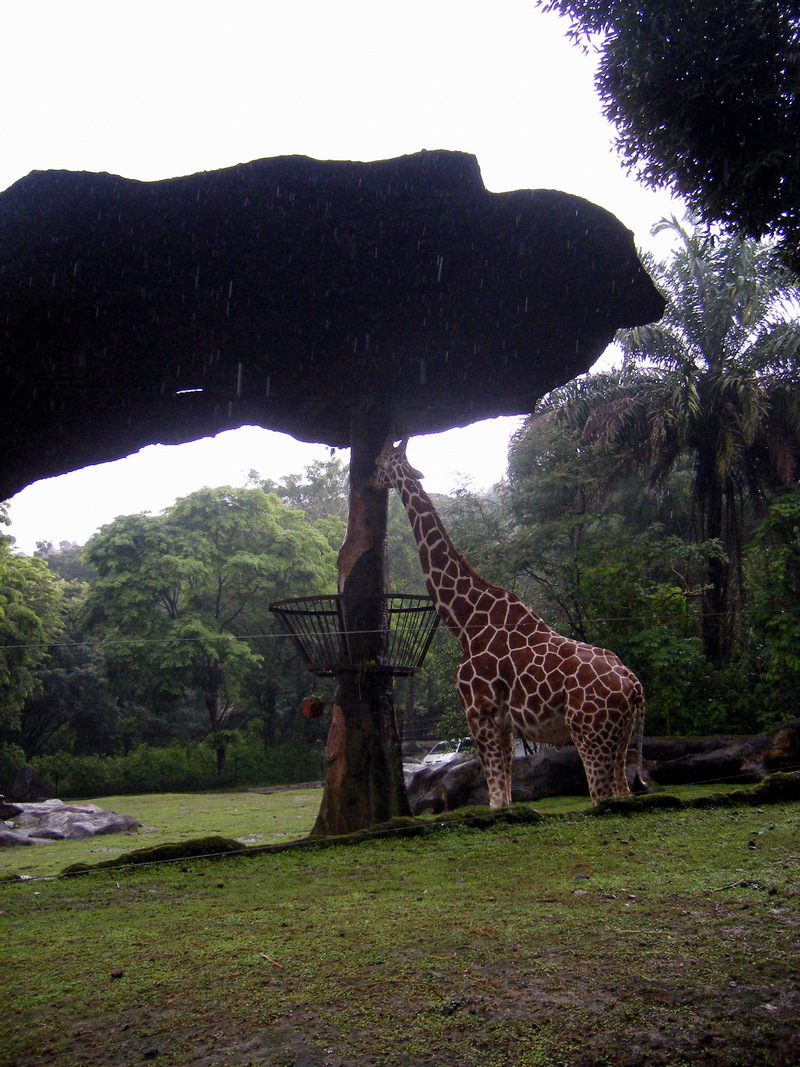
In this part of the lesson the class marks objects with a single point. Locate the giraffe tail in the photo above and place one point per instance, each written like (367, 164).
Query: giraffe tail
(639, 785)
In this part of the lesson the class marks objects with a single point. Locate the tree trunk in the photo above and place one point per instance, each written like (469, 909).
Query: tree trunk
(217, 708)
(364, 782)
(715, 623)
(222, 757)
(268, 702)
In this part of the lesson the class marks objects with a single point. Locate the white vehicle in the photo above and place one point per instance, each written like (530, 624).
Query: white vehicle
(447, 751)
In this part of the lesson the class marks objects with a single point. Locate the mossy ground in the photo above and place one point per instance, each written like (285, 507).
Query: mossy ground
(665, 937)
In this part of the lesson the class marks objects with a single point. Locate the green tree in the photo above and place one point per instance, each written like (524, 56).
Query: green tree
(714, 382)
(181, 599)
(320, 492)
(602, 561)
(31, 619)
(773, 568)
(66, 561)
(72, 708)
(704, 96)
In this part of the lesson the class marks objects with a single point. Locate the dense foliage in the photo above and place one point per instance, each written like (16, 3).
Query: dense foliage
(712, 389)
(638, 497)
(704, 96)
(30, 621)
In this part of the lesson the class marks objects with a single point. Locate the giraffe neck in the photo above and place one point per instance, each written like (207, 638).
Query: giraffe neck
(452, 583)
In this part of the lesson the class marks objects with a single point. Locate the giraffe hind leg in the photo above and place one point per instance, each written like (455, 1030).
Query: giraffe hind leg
(604, 758)
(621, 786)
(632, 721)
(599, 770)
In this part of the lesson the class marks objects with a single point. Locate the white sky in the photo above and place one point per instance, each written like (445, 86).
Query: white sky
(156, 88)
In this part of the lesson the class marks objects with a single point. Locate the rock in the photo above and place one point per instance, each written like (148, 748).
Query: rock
(549, 772)
(8, 811)
(732, 759)
(667, 761)
(10, 839)
(52, 820)
(413, 251)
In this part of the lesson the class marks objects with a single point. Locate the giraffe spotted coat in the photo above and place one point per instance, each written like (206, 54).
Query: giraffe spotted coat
(517, 675)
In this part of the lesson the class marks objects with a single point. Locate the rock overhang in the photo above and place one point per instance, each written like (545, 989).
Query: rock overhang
(293, 294)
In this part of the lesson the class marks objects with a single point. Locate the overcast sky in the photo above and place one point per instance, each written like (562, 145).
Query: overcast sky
(151, 89)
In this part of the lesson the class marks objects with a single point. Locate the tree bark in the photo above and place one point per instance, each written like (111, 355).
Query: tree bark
(715, 623)
(364, 781)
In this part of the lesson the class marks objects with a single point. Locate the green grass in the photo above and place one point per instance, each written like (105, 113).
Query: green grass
(664, 937)
(253, 818)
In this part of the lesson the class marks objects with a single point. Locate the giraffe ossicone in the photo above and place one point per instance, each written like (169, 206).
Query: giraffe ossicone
(517, 675)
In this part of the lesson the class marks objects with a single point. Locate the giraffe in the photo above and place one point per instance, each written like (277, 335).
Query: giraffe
(517, 675)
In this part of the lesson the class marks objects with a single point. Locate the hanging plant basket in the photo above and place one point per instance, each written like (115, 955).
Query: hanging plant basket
(316, 626)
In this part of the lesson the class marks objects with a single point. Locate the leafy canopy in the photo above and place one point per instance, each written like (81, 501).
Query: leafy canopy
(181, 598)
(31, 618)
(713, 384)
(705, 98)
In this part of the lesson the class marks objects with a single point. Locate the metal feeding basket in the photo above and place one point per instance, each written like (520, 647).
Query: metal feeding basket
(316, 626)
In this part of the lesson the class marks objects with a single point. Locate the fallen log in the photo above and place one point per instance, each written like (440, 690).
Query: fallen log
(738, 759)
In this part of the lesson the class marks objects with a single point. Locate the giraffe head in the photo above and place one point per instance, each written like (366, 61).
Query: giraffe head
(391, 465)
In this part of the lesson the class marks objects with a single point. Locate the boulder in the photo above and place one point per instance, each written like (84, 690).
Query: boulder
(8, 811)
(52, 820)
(731, 759)
(559, 771)
(548, 772)
(282, 292)
(10, 839)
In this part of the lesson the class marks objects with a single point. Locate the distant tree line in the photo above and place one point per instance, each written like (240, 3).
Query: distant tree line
(654, 510)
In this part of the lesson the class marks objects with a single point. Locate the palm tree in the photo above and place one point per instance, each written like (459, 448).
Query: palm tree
(714, 382)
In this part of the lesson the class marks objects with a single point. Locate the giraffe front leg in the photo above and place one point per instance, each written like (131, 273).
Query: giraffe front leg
(494, 748)
(491, 733)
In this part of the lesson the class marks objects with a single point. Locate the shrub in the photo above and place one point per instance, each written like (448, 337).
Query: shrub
(177, 768)
(12, 760)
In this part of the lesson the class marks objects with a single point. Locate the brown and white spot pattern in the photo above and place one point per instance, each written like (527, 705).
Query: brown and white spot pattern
(518, 676)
